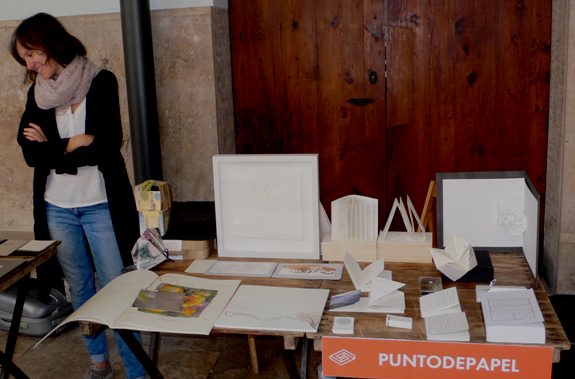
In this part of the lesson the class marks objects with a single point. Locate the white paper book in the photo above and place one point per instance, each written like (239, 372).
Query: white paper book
(362, 278)
(354, 218)
(512, 317)
(447, 327)
(440, 302)
(112, 305)
(382, 291)
(274, 308)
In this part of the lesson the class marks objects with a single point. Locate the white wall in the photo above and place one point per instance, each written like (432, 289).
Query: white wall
(21, 9)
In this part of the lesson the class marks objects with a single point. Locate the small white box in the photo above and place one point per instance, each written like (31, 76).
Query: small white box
(343, 325)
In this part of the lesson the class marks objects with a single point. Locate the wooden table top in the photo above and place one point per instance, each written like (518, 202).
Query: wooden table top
(30, 262)
(509, 269)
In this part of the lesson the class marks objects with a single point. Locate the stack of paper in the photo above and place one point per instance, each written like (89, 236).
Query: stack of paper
(512, 316)
(444, 320)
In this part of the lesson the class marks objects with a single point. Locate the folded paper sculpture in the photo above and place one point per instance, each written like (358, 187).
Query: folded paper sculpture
(456, 259)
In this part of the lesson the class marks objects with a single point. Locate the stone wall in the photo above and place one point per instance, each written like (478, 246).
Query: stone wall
(559, 225)
(193, 80)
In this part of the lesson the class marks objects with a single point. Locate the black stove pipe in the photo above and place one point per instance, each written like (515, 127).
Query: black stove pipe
(141, 86)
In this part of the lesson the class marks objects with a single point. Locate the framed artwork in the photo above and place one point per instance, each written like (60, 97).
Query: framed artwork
(495, 210)
(267, 205)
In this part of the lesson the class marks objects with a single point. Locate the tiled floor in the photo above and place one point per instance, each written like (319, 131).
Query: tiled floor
(219, 357)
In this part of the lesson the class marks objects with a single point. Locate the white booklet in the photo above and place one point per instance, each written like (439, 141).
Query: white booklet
(113, 305)
(383, 291)
(362, 278)
(440, 302)
(447, 327)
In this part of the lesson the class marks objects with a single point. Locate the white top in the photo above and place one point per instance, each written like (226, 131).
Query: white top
(87, 186)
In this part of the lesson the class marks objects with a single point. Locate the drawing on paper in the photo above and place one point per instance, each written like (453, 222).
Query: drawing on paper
(327, 271)
(174, 300)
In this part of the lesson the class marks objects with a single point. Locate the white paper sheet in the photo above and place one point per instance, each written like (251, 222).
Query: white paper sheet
(274, 308)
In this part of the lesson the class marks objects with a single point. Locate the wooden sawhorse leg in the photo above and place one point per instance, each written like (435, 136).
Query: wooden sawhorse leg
(253, 354)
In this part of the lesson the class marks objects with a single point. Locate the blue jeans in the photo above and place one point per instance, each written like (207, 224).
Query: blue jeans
(81, 231)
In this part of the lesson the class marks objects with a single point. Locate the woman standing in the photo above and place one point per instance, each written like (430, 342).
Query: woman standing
(71, 134)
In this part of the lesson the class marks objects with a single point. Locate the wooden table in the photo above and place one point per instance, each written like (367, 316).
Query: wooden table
(20, 275)
(291, 339)
(509, 269)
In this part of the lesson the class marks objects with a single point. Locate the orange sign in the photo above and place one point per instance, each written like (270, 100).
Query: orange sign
(401, 359)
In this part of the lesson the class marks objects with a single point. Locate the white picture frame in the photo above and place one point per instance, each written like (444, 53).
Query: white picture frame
(472, 205)
(267, 205)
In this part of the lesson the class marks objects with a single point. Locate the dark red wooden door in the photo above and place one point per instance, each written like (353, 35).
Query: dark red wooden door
(391, 92)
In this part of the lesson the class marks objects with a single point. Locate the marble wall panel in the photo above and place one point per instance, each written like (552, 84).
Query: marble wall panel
(193, 80)
(559, 224)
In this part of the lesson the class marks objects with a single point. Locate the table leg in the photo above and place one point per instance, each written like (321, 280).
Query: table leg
(6, 357)
(304, 358)
(140, 353)
(253, 354)
(154, 345)
(9, 367)
(289, 360)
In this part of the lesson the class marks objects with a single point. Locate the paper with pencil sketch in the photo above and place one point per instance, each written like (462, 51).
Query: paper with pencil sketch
(440, 302)
(456, 259)
(362, 278)
(274, 308)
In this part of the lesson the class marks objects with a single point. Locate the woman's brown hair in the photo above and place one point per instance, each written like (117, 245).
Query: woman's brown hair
(44, 32)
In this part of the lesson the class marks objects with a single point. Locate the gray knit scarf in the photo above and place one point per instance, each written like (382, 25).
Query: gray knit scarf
(70, 87)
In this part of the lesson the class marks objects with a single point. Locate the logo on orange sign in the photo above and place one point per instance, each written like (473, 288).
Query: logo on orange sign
(342, 357)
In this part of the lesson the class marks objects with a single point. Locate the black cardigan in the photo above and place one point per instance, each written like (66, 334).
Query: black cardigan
(103, 121)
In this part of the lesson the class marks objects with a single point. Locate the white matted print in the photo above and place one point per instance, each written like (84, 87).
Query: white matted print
(323, 271)
(267, 205)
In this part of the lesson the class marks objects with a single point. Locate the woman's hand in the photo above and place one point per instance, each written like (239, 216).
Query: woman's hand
(34, 133)
(79, 141)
